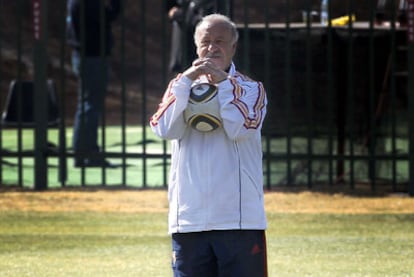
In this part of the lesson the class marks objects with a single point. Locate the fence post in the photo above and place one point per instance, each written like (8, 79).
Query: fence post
(410, 92)
(40, 92)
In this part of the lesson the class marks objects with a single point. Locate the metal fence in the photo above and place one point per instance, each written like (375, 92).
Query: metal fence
(339, 110)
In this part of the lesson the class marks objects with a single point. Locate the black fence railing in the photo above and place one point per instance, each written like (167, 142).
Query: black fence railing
(339, 109)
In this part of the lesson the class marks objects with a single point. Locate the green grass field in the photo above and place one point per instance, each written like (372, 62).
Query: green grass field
(130, 175)
(123, 233)
(111, 232)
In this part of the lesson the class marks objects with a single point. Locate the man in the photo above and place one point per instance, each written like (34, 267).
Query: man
(216, 216)
(89, 35)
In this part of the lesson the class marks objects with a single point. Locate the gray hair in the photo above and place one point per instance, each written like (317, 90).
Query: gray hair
(215, 17)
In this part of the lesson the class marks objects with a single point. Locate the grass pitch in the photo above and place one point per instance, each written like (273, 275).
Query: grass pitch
(124, 233)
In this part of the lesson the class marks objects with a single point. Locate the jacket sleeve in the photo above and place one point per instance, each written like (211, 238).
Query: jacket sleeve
(168, 120)
(243, 107)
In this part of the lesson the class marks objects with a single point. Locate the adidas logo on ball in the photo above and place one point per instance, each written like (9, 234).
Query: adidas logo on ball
(203, 109)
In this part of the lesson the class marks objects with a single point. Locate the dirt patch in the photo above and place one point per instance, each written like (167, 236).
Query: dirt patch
(154, 201)
(317, 202)
(88, 200)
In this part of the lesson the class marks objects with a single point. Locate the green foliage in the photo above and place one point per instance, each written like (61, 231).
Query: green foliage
(136, 244)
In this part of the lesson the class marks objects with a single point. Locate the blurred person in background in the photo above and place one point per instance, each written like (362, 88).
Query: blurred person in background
(89, 34)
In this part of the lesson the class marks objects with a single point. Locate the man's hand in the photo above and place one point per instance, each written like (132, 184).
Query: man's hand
(175, 13)
(206, 66)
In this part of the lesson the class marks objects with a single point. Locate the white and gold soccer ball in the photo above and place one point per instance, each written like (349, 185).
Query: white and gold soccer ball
(203, 109)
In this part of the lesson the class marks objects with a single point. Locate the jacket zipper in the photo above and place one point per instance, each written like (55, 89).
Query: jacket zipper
(240, 184)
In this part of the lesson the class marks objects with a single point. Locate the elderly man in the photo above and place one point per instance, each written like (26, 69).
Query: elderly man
(216, 217)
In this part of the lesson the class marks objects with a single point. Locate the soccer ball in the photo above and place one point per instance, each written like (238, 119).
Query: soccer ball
(203, 109)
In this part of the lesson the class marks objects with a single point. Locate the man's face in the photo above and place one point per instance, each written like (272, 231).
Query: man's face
(214, 40)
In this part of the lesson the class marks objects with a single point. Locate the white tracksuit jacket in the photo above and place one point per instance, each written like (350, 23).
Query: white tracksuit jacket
(216, 178)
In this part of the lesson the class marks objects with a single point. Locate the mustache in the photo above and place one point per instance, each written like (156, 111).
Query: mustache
(212, 55)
